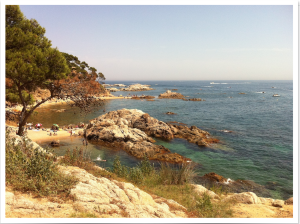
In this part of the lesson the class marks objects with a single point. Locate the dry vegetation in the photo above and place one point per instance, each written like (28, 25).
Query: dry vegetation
(28, 170)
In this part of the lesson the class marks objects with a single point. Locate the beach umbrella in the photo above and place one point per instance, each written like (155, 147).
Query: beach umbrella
(56, 125)
(38, 125)
(29, 124)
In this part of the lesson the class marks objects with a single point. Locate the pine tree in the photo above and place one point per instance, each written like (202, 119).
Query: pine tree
(31, 62)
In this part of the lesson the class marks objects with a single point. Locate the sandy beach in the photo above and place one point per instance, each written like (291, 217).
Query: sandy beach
(45, 136)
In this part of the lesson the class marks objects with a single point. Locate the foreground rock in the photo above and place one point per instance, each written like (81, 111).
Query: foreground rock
(289, 201)
(137, 87)
(104, 198)
(200, 190)
(245, 198)
(99, 196)
(171, 95)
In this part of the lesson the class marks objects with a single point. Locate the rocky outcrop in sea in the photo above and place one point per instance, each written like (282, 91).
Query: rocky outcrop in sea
(171, 95)
(137, 87)
(132, 130)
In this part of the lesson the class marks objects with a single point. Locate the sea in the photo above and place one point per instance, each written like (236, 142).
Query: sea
(254, 127)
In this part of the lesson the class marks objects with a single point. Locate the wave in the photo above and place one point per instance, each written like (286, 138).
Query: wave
(225, 83)
(218, 83)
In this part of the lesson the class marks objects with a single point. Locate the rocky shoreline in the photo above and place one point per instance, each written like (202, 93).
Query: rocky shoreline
(108, 198)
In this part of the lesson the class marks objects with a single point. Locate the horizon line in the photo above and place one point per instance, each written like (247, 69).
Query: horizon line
(200, 80)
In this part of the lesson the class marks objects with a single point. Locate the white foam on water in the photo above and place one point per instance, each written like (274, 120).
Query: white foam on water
(228, 181)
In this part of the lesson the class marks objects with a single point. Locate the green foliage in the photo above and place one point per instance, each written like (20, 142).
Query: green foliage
(133, 174)
(145, 166)
(182, 174)
(29, 169)
(203, 204)
(30, 60)
(82, 160)
(165, 175)
(219, 190)
(75, 158)
(75, 64)
(206, 209)
(12, 97)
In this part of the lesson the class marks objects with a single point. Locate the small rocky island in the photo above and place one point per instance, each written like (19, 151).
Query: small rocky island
(142, 97)
(132, 130)
(174, 95)
(171, 95)
(137, 87)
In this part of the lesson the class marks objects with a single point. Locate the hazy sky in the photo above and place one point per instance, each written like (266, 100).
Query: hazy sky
(174, 42)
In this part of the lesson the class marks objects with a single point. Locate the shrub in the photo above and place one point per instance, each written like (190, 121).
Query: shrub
(29, 169)
(77, 158)
(145, 166)
(181, 174)
(81, 159)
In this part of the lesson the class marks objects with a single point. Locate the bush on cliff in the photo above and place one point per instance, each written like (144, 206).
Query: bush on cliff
(30, 169)
(133, 174)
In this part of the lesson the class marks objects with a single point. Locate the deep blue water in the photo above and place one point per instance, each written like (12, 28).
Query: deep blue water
(260, 147)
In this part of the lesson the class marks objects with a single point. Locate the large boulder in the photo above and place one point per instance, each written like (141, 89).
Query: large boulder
(245, 198)
(278, 203)
(153, 127)
(289, 201)
(200, 190)
(192, 134)
(95, 195)
(215, 177)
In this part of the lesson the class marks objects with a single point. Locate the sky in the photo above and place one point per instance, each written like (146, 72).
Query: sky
(179, 42)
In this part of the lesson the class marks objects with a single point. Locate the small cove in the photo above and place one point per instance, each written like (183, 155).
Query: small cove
(259, 147)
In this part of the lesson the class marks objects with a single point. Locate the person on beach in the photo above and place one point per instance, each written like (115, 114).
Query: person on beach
(50, 134)
(82, 141)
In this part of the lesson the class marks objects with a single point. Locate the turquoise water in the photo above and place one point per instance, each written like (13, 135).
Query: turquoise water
(260, 147)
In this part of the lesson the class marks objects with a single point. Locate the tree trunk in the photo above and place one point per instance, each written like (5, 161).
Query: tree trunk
(25, 115)
(21, 129)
